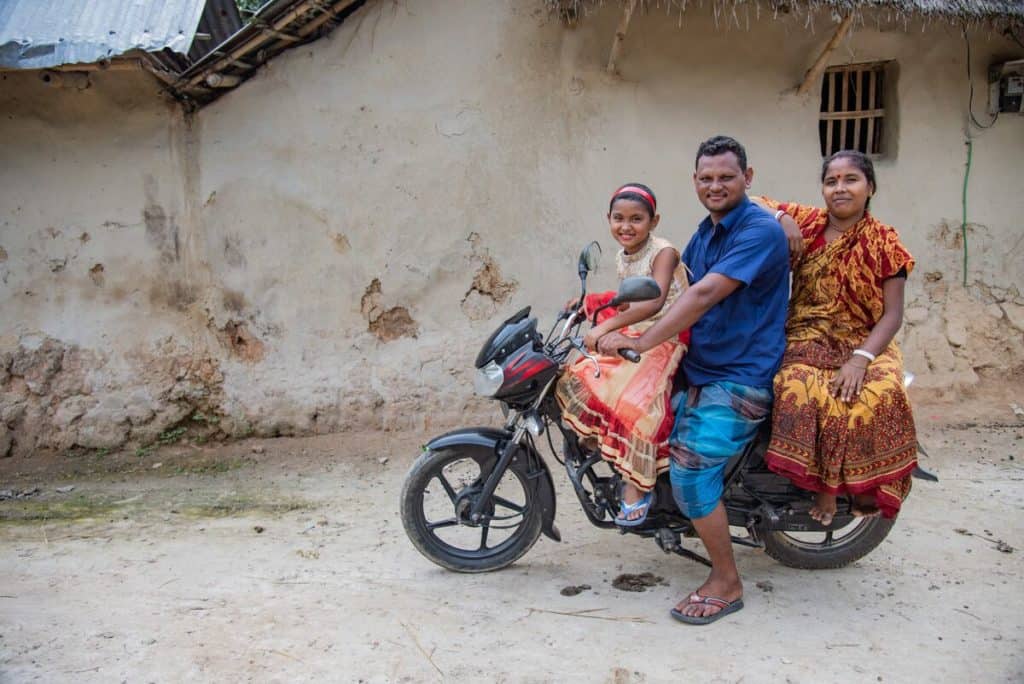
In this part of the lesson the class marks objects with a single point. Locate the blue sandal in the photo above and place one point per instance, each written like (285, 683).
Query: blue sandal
(644, 504)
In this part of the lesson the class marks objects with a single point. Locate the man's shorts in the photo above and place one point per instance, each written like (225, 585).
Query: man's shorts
(716, 422)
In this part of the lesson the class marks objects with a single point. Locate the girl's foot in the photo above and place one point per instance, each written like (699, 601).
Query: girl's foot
(824, 508)
(864, 506)
(631, 494)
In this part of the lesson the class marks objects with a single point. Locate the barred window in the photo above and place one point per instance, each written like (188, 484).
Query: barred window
(853, 109)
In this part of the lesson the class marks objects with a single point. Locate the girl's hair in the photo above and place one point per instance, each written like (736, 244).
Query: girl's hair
(861, 161)
(638, 192)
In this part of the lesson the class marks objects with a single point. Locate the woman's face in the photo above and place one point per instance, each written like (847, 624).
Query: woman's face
(631, 224)
(845, 188)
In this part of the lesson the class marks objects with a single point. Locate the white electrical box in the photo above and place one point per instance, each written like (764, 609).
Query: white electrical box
(1006, 87)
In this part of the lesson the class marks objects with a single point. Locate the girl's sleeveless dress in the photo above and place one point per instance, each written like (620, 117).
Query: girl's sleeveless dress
(627, 408)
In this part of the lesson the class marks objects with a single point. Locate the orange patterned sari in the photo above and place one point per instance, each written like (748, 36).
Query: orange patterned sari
(820, 442)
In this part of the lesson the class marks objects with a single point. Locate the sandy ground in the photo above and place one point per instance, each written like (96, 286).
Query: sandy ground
(284, 560)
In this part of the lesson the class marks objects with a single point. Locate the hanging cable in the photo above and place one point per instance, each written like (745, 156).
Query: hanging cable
(963, 201)
(970, 84)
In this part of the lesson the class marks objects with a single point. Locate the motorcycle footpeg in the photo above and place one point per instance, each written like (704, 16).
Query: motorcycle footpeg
(667, 540)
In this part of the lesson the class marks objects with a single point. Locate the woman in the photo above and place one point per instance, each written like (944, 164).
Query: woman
(841, 422)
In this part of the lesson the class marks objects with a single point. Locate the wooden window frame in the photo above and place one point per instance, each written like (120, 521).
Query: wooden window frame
(856, 107)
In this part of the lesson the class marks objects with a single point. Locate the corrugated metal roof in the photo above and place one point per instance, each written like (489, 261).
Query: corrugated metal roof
(35, 34)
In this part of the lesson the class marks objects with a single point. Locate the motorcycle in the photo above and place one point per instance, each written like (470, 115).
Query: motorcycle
(478, 499)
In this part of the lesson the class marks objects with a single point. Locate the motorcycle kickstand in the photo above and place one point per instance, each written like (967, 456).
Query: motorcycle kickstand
(669, 542)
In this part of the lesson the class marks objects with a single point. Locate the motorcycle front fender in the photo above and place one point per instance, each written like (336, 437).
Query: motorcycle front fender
(488, 442)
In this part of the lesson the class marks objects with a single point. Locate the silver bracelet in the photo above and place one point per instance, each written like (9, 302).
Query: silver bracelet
(779, 214)
(865, 353)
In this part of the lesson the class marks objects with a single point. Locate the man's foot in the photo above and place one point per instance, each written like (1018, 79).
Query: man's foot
(590, 443)
(720, 606)
(712, 600)
(824, 508)
(864, 506)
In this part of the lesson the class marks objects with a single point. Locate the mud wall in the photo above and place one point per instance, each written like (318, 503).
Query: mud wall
(326, 246)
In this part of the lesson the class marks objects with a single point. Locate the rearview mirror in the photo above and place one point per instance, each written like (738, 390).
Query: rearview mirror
(636, 289)
(589, 258)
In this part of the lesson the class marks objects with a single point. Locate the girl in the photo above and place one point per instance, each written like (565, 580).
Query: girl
(841, 421)
(625, 412)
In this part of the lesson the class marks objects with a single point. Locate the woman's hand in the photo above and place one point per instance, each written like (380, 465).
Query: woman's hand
(793, 236)
(849, 381)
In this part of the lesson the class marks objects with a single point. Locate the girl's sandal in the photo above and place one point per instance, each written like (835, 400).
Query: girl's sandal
(644, 505)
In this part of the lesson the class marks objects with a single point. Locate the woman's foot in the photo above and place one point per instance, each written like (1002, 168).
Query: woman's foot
(824, 508)
(864, 506)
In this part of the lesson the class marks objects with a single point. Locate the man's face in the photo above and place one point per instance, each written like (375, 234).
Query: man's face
(720, 183)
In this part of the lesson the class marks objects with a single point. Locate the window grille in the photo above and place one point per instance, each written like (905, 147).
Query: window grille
(853, 109)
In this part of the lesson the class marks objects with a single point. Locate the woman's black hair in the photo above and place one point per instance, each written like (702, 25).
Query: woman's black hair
(636, 197)
(861, 161)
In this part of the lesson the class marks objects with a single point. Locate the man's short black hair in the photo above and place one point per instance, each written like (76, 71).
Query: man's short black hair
(720, 144)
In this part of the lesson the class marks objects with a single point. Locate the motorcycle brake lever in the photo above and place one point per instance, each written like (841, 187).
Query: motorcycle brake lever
(590, 357)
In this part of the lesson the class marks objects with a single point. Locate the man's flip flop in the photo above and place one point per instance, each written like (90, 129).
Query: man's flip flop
(644, 504)
(696, 599)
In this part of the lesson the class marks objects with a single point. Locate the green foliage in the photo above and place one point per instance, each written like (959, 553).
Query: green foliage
(248, 7)
(170, 436)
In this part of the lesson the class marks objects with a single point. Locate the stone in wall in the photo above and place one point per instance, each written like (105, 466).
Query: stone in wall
(59, 396)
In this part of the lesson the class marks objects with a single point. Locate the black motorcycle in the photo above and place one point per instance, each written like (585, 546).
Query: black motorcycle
(477, 499)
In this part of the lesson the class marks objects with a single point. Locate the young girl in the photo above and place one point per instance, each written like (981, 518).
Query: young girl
(625, 412)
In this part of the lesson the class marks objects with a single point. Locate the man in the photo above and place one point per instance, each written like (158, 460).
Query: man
(735, 308)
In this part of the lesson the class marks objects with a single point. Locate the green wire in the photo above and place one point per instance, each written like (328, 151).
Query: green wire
(963, 222)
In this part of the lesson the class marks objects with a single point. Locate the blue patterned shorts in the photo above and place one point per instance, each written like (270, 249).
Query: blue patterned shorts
(715, 423)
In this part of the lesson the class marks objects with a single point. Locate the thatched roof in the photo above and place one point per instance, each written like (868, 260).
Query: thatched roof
(953, 10)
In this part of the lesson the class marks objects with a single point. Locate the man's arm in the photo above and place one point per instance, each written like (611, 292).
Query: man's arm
(684, 312)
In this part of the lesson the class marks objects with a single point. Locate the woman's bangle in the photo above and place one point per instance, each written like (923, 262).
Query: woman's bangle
(865, 353)
(779, 214)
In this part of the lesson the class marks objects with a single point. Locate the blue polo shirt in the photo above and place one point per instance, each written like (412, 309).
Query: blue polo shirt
(740, 339)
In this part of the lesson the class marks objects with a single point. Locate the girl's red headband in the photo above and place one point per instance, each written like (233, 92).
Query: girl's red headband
(637, 191)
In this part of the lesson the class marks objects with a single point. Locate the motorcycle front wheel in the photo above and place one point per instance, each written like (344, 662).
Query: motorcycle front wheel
(829, 549)
(436, 499)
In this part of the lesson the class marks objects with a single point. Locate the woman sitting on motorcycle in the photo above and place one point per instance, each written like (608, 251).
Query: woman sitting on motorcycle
(841, 421)
(624, 413)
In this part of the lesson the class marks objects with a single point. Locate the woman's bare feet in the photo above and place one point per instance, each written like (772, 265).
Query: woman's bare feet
(864, 506)
(824, 508)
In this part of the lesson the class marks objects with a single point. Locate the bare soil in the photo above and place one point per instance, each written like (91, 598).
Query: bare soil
(285, 560)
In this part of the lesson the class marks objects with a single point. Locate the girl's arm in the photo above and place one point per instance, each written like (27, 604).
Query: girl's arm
(849, 381)
(664, 268)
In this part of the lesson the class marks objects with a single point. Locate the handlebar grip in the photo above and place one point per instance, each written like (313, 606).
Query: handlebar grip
(630, 355)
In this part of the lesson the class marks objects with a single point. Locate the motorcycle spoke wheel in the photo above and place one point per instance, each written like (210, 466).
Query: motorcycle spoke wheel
(441, 512)
(832, 548)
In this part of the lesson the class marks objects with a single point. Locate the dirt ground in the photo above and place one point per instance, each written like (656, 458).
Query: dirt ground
(284, 560)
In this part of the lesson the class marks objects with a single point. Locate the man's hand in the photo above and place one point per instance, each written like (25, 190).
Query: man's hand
(793, 236)
(610, 344)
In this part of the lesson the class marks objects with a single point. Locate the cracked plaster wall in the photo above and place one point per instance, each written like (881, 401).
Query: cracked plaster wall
(327, 246)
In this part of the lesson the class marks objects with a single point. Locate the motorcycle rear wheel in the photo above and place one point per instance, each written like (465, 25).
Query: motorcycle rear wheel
(836, 548)
(434, 505)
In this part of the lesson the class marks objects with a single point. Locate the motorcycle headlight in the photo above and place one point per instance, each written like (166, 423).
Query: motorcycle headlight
(488, 380)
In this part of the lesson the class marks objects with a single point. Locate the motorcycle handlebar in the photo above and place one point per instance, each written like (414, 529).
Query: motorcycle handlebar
(630, 355)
